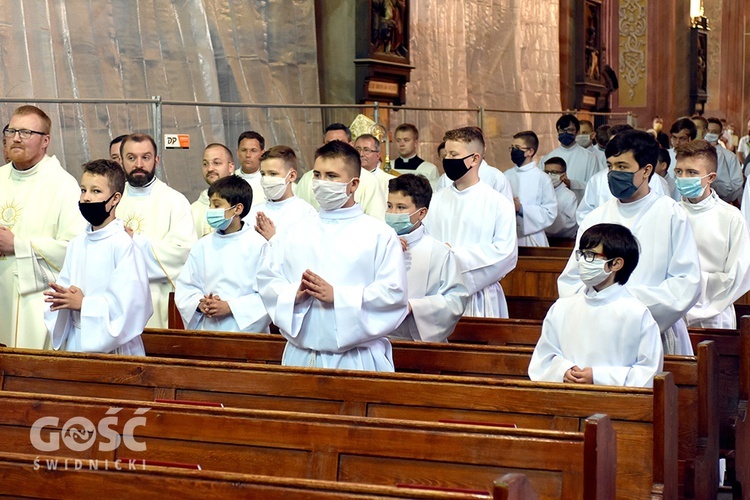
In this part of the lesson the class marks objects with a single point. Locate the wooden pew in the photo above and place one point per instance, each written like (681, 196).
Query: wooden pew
(643, 419)
(29, 476)
(332, 448)
(733, 350)
(699, 442)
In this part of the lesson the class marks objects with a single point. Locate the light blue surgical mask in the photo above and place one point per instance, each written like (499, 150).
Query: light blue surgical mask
(711, 137)
(215, 218)
(401, 223)
(690, 187)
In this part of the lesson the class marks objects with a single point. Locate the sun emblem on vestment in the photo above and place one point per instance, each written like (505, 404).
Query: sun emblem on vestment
(134, 222)
(9, 213)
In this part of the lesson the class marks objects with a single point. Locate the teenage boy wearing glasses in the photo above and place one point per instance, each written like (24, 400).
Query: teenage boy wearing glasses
(38, 217)
(603, 335)
(535, 201)
(668, 277)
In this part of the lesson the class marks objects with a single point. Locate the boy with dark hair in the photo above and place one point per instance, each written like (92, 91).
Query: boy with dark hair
(729, 180)
(534, 197)
(407, 141)
(602, 335)
(101, 301)
(598, 190)
(437, 296)
(668, 278)
(477, 222)
(582, 164)
(682, 131)
(335, 284)
(565, 224)
(207, 296)
(114, 149)
(278, 169)
(368, 193)
(721, 234)
(662, 169)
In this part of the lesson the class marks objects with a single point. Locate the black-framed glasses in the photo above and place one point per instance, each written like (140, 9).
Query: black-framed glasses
(588, 255)
(24, 133)
(366, 151)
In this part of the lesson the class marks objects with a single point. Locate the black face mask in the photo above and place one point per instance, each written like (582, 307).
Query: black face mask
(95, 212)
(517, 156)
(455, 168)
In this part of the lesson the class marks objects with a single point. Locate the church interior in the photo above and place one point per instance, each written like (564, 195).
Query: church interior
(213, 414)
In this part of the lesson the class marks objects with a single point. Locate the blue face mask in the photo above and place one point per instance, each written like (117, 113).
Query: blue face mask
(690, 187)
(621, 184)
(401, 223)
(216, 219)
(566, 138)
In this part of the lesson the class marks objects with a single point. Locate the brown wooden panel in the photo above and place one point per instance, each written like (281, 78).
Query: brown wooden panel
(280, 442)
(372, 470)
(22, 478)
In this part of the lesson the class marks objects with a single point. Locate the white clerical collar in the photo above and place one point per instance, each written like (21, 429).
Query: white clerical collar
(704, 205)
(643, 203)
(21, 174)
(465, 190)
(406, 160)
(342, 213)
(140, 191)
(250, 176)
(605, 296)
(104, 232)
(413, 237)
(527, 167)
(280, 203)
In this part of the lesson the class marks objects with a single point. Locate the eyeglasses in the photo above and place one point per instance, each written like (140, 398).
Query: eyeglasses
(24, 133)
(588, 255)
(366, 151)
(517, 148)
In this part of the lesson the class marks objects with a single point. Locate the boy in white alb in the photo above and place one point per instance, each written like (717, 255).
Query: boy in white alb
(477, 222)
(207, 296)
(101, 301)
(668, 277)
(602, 334)
(565, 225)
(368, 194)
(534, 196)
(582, 164)
(278, 170)
(335, 284)
(721, 234)
(437, 296)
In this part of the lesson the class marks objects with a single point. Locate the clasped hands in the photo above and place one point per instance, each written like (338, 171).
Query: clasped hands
(577, 375)
(64, 298)
(213, 307)
(314, 286)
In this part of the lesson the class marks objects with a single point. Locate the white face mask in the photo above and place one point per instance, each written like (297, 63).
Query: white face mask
(555, 178)
(330, 195)
(593, 273)
(583, 140)
(274, 187)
